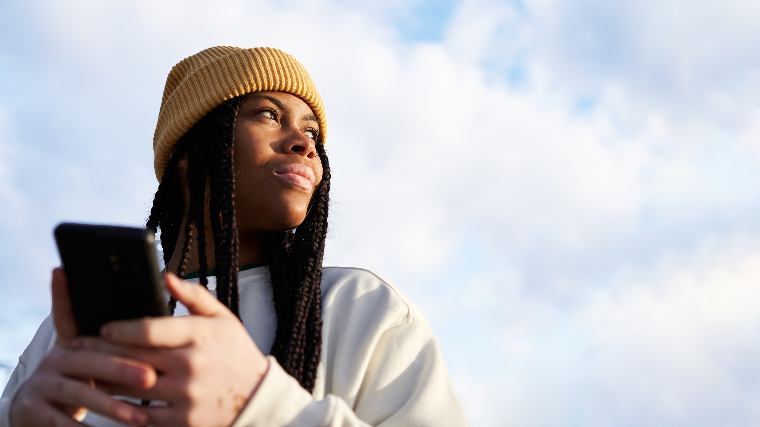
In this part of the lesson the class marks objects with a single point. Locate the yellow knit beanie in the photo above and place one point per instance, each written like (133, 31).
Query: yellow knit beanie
(201, 82)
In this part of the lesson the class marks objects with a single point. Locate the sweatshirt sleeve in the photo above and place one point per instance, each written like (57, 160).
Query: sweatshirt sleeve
(27, 363)
(9, 393)
(405, 383)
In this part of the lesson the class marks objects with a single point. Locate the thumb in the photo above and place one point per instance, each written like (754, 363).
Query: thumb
(63, 315)
(196, 298)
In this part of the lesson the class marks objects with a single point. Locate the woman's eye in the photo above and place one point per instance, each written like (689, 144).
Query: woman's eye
(311, 133)
(267, 114)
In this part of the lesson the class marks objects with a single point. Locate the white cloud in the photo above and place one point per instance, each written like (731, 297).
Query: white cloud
(693, 61)
(669, 343)
(681, 334)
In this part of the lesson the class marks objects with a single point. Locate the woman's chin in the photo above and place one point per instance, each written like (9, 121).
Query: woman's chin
(282, 222)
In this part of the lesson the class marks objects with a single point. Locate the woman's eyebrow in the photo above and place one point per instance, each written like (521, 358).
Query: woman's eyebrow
(280, 105)
(273, 100)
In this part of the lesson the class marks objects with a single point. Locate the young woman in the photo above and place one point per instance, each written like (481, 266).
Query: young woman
(241, 209)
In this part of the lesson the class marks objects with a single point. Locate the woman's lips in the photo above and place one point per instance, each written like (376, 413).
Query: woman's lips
(299, 175)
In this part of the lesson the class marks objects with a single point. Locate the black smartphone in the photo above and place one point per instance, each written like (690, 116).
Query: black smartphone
(112, 273)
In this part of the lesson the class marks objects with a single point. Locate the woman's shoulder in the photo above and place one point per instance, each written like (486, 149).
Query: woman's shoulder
(358, 293)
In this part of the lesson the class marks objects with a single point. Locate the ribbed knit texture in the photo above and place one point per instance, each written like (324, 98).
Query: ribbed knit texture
(201, 82)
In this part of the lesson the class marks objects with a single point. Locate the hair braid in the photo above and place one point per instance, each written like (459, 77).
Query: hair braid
(166, 212)
(223, 207)
(197, 172)
(166, 204)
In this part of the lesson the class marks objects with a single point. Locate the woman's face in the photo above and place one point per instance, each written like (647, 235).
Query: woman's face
(276, 162)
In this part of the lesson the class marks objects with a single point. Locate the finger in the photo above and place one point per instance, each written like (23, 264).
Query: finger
(45, 415)
(27, 408)
(196, 298)
(67, 391)
(63, 315)
(160, 332)
(158, 359)
(104, 367)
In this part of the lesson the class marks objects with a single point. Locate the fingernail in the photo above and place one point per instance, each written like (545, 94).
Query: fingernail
(176, 281)
(174, 278)
(141, 378)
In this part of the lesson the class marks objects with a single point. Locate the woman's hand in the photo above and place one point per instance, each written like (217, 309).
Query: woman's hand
(208, 366)
(60, 390)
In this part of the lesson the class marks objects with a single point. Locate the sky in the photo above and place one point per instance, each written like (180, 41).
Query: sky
(570, 191)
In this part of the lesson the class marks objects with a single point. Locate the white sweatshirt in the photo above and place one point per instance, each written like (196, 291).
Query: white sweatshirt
(381, 364)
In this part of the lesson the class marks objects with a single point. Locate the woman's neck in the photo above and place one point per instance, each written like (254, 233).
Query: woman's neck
(253, 249)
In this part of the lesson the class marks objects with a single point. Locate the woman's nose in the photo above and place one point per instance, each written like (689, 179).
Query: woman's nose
(299, 143)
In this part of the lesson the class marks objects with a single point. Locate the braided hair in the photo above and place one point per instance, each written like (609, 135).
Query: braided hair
(296, 255)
